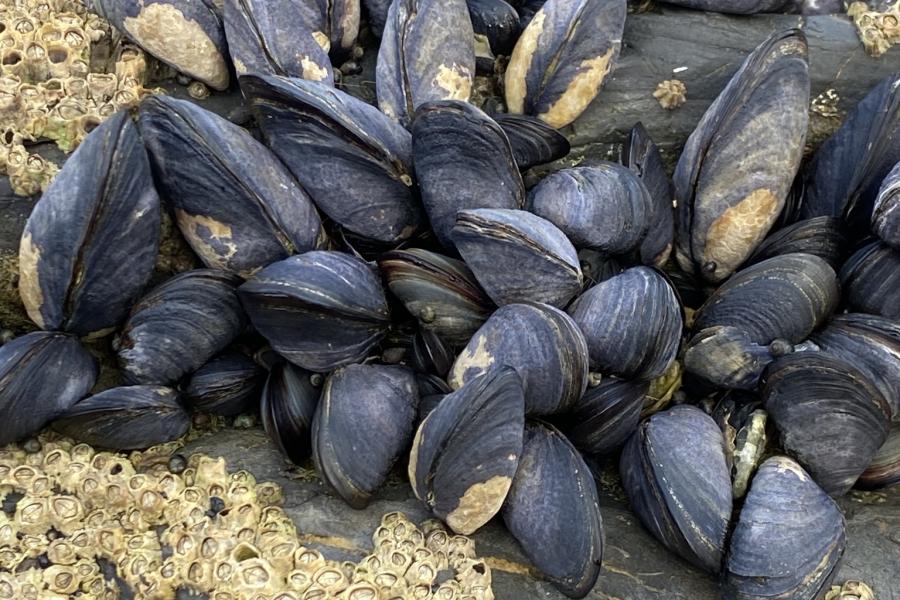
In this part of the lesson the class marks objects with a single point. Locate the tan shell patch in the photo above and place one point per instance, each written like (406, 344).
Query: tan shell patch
(191, 225)
(581, 90)
(312, 70)
(455, 80)
(29, 284)
(738, 230)
(479, 504)
(478, 357)
(520, 63)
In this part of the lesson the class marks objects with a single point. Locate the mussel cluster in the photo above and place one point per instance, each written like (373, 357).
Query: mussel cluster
(383, 287)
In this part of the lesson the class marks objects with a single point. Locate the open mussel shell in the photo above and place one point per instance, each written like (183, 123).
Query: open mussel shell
(789, 537)
(517, 256)
(884, 470)
(42, 375)
(726, 357)
(739, 163)
(354, 162)
(820, 236)
(227, 385)
(553, 512)
(533, 141)
(89, 245)
(234, 202)
(289, 401)
(363, 423)
(466, 451)
(277, 37)
(871, 280)
(497, 22)
(320, 310)
(427, 53)
(463, 160)
(126, 418)
(440, 292)
(674, 472)
(178, 326)
(886, 214)
(605, 207)
(605, 416)
(542, 343)
(562, 58)
(185, 34)
(829, 415)
(632, 323)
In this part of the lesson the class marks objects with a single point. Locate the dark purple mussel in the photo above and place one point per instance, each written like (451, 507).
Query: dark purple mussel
(739, 163)
(542, 343)
(562, 58)
(533, 141)
(440, 292)
(463, 160)
(364, 421)
(605, 207)
(288, 404)
(517, 256)
(427, 53)
(605, 416)
(354, 162)
(466, 451)
(632, 323)
(320, 310)
(178, 326)
(496, 26)
(871, 280)
(886, 214)
(234, 202)
(430, 355)
(553, 512)
(789, 537)
(227, 385)
(678, 483)
(90, 244)
(738, 7)
(42, 374)
(126, 418)
(820, 236)
(884, 470)
(829, 415)
(185, 34)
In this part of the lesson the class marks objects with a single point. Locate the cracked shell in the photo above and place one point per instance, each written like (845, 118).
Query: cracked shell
(364, 421)
(886, 214)
(90, 244)
(42, 375)
(678, 483)
(227, 385)
(178, 326)
(126, 418)
(871, 280)
(820, 236)
(739, 163)
(553, 512)
(320, 310)
(605, 416)
(544, 346)
(466, 451)
(533, 142)
(234, 202)
(563, 57)
(517, 256)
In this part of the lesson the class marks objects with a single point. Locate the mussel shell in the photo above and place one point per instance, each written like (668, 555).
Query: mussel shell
(674, 472)
(354, 162)
(533, 141)
(185, 34)
(886, 214)
(871, 280)
(179, 325)
(739, 163)
(42, 375)
(427, 53)
(288, 404)
(466, 451)
(276, 37)
(784, 297)
(89, 245)
(497, 21)
(562, 58)
(126, 418)
(820, 236)
(632, 323)
(320, 310)
(363, 423)
(341, 18)
(440, 292)
(605, 416)
(553, 512)
(726, 357)
(789, 537)
(463, 160)
(430, 354)
(737, 7)
(542, 343)
(227, 385)
(884, 470)
(829, 415)
(517, 256)
(597, 267)
(605, 207)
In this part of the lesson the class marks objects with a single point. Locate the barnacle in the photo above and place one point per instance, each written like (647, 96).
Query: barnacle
(671, 93)
(877, 30)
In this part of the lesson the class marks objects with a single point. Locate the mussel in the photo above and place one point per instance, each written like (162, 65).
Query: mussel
(727, 357)
(884, 470)
(288, 404)
(605, 416)
(533, 141)
(227, 385)
(90, 244)
(871, 280)
(497, 23)
(886, 213)
(820, 236)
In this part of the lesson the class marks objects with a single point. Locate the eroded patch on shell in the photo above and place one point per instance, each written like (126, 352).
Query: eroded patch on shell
(29, 284)
(520, 63)
(738, 230)
(483, 498)
(580, 91)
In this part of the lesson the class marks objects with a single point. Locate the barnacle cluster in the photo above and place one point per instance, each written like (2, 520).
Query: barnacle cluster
(850, 590)
(878, 30)
(51, 85)
(671, 93)
(167, 524)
